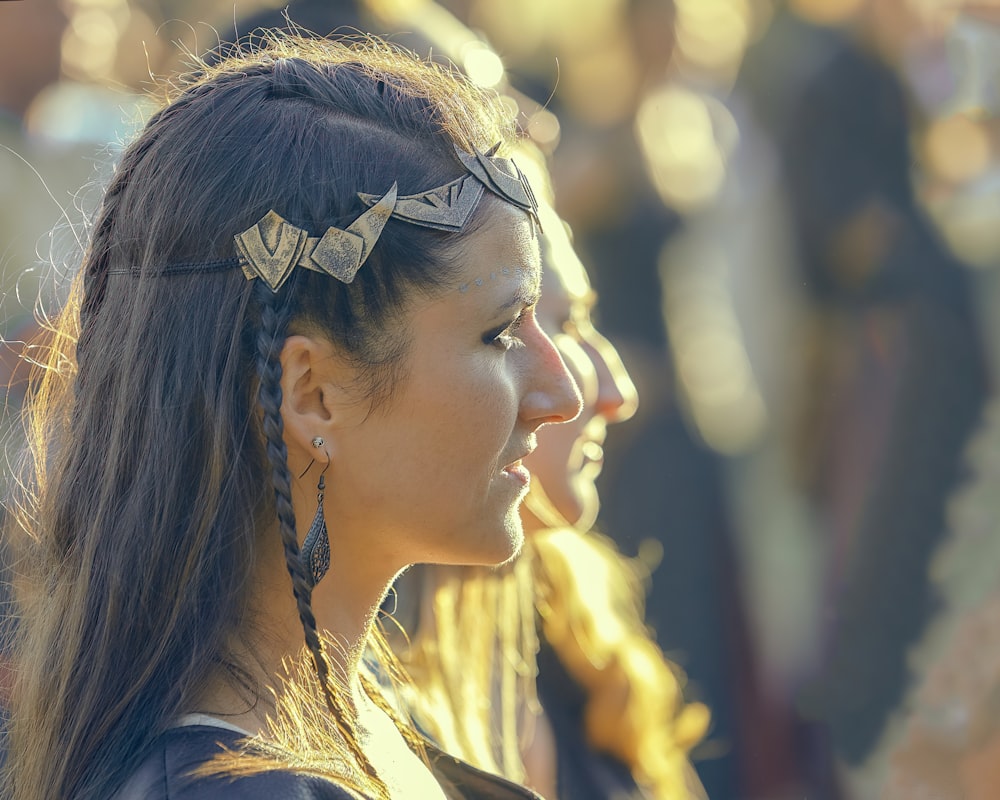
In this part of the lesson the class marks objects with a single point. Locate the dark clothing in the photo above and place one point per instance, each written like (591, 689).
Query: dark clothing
(165, 775)
(582, 772)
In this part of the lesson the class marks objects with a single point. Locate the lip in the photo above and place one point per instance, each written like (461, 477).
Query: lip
(516, 469)
(518, 472)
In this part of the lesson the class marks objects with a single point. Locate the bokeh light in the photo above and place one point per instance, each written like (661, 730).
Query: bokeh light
(543, 127)
(601, 83)
(685, 138)
(715, 377)
(481, 64)
(712, 34)
(957, 148)
(90, 44)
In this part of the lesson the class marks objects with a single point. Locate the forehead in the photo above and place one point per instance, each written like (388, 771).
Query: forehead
(497, 274)
(504, 249)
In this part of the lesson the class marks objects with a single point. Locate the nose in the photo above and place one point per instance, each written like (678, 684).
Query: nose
(617, 398)
(551, 394)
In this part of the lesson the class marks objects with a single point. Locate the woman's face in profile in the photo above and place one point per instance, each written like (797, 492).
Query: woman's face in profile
(434, 473)
(569, 457)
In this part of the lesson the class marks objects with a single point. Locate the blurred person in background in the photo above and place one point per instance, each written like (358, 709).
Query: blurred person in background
(894, 369)
(863, 342)
(663, 489)
(586, 706)
(943, 739)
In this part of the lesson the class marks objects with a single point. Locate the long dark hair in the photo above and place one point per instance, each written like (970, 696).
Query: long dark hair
(155, 426)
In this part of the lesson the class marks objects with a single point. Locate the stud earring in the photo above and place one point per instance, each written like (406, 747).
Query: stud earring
(316, 547)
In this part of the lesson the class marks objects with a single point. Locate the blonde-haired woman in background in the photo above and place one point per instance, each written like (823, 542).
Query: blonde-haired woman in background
(544, 670)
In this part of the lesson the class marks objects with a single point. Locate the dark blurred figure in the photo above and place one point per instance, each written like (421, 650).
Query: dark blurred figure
(323, 18)
(341, 18)
(667, 488)
(894, 379)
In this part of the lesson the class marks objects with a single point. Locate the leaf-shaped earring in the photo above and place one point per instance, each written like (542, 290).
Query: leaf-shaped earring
(315, 550)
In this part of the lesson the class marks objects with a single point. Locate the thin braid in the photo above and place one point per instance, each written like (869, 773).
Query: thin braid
(270, 338)
(96, 274)
(97, 263)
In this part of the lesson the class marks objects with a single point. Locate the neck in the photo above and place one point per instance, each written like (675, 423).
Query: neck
(344, 605)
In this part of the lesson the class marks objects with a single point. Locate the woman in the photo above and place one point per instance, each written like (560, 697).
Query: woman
(581, 702)
(302, 344)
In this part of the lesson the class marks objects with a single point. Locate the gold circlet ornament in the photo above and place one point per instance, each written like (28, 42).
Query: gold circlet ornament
(273, 247)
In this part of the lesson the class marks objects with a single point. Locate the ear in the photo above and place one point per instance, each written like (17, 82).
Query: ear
(309, 393)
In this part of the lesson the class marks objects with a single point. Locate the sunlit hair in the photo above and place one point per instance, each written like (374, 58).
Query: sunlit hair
(474, 660)
(475, 664)
(155, 435)
(590, 602)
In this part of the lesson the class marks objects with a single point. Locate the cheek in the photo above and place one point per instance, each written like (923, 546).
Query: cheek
(475, 411)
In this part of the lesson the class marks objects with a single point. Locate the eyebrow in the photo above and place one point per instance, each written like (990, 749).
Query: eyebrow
(524, 296)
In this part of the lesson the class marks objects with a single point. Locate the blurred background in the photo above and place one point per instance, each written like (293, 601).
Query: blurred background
(791, 214)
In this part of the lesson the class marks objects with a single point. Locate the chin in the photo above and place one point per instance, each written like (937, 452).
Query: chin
(578, 504)
(514, 540)
(495, 547)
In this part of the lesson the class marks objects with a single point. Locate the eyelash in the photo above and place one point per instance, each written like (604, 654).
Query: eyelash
(504, 337)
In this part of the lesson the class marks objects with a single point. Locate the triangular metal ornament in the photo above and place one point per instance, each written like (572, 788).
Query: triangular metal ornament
(271, 249)
(341, 253)
(444, 208)
(503, 178)
(337, 253)
(369, 226)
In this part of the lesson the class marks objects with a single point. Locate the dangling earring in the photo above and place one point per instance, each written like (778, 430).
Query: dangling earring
(316, 547)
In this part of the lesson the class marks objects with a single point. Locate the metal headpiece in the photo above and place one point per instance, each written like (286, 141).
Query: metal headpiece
(273, 247)
(448, 207)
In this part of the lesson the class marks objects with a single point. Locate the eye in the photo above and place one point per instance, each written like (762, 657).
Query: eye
(504, 337)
